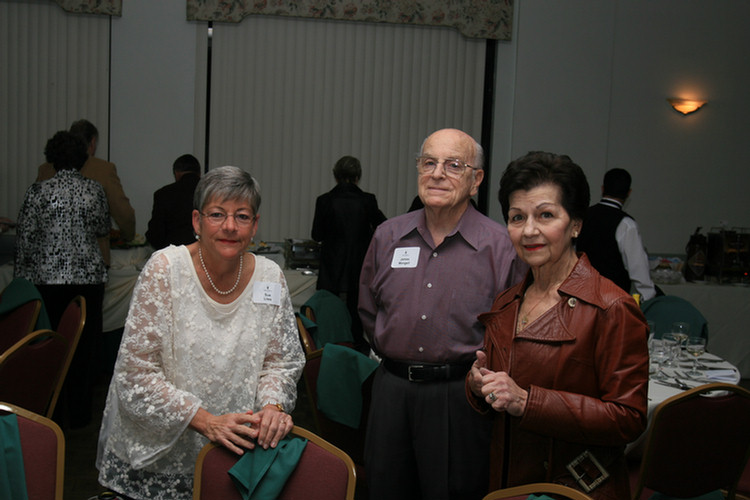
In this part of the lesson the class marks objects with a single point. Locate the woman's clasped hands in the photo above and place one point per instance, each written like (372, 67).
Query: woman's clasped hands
(497, 388)
(238, 431)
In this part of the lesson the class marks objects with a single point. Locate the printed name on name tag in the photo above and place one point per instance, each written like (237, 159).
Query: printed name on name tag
(267, 293)
(405, 257)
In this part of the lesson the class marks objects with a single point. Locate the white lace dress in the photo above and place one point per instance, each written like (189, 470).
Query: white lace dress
(180, 351)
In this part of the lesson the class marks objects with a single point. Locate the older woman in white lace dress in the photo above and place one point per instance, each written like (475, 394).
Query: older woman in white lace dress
(210, 351)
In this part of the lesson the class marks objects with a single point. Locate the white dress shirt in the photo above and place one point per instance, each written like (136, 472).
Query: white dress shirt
(634, 256)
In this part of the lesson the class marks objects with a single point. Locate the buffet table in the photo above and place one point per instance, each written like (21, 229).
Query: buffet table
(727, 310)
(125, 266)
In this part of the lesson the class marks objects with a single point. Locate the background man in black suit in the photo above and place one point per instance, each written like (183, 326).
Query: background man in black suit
(171, 217)
(345, 219)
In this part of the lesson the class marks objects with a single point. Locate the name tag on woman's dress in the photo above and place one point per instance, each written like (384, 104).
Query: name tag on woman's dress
(267, 293)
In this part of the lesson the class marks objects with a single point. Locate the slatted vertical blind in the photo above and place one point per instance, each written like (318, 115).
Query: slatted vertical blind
(55, 70)
(291, 96)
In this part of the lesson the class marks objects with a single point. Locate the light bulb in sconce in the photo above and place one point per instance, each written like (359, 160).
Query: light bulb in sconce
(686, 106)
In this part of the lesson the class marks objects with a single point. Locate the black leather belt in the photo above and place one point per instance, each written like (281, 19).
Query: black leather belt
(426, 372)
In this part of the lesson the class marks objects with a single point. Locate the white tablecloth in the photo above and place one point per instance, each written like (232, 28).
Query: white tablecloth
(727, 310)
(658, 393)
(125, 267)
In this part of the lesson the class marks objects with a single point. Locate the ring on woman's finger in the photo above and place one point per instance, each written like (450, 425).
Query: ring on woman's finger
(492, 397)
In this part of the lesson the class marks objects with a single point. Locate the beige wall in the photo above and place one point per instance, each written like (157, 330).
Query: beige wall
(588, 78)
(591, 78)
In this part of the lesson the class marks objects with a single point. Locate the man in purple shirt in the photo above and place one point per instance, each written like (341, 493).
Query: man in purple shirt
(426, 276)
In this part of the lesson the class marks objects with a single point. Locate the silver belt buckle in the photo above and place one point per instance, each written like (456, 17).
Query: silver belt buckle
(408, 372)
(582, 476)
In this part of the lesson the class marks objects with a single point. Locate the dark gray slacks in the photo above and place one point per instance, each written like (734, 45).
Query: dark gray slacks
(424, 441)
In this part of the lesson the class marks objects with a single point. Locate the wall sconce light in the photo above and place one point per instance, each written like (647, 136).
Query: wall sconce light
(686, 106)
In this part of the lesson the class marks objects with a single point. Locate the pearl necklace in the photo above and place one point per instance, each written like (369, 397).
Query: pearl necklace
(211, 282)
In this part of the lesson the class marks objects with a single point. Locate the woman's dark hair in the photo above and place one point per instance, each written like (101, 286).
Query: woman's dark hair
(66, 151)
(537, 168)
(347, 169)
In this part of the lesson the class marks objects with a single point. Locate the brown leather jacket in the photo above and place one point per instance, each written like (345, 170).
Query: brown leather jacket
(585, 365)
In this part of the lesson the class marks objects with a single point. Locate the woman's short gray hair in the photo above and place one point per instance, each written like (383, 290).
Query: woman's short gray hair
(227, 183)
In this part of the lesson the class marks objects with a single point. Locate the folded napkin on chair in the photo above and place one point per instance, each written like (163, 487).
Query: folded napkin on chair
(12, 475)
(262, 473)
(332, 320)
(342, 372)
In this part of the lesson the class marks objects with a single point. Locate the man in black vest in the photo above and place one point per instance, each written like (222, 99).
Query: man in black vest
(611, 239)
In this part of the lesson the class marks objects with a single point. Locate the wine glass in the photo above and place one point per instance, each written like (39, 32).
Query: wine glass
(651, 329)
(696, 347)
(681, 331)
(660, 353)
(672, 341)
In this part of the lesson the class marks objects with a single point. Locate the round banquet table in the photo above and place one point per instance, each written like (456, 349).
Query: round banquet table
(713, 369)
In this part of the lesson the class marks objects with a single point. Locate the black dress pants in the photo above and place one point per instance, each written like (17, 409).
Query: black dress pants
(424, 441)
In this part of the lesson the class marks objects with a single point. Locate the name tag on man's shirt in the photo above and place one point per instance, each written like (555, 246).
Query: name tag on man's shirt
(267, 293)
(405, 257)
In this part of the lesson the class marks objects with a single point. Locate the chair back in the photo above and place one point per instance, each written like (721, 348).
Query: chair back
(523, 491)
(43, 450)
(698, 442)
(16, 324)
(667, 309)
(331, 317)
(349, 439)
(31, 369)
(70, 327)
(308, 342)
(323, 472)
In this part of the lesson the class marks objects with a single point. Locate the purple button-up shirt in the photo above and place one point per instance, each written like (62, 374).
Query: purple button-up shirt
(419, 302)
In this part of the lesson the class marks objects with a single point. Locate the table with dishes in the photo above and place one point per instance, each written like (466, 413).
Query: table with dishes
(726, 308)
(128, 261)
(675, 375)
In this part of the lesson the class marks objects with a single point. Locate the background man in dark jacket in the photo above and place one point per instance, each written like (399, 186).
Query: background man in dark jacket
(345, 219)
(172, 213)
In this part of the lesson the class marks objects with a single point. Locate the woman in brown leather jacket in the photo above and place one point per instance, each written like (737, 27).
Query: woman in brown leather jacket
(564, 368)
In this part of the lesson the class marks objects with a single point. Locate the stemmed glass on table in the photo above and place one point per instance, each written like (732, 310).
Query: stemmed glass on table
(672, 341)
(681, 332)
(660, 353)
(696, 347)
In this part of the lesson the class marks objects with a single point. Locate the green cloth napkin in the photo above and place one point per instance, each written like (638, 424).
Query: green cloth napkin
(20, 291)
(333, 323)
(342, 372)
(12, 475)
(262, 473)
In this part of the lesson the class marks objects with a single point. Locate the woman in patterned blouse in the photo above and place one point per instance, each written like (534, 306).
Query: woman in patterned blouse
(57, 250)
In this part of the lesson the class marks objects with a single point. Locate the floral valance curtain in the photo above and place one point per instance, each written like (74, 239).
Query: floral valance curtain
(105, 7)
(474, 18)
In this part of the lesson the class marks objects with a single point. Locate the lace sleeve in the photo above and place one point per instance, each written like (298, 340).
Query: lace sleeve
(284, 358)
(153, 411)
